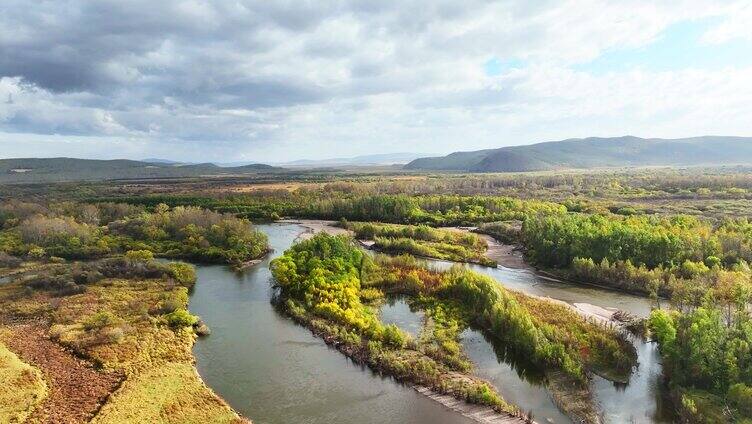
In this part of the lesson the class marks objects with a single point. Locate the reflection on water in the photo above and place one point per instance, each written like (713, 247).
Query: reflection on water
(641, 400)
(397, 312)
(272, 370)
(517, 381)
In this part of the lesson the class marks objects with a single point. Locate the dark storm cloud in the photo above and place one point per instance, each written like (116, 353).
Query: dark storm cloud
(171, 60)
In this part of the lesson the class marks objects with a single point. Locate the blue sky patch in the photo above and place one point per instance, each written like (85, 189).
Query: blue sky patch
(495, 66)
(680, 46)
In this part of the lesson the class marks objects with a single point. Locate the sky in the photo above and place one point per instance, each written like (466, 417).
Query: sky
(272, 81)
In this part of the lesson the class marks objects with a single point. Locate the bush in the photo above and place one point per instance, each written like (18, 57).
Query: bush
(181, 318)
(55, 279)
(99, 321)
(173, 301)
(740, 395)
(113, 335)
(393, 336)
(37, 253)
(139, 255)
(183, 273)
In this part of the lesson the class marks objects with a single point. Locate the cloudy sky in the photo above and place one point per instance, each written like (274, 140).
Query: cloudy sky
(281, 80)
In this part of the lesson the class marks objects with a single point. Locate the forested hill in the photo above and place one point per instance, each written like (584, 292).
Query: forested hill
(597, 152)
(69, 169)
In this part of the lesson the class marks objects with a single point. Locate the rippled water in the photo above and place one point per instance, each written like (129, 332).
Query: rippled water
(397, 312)
(274, 371)
(641, 400)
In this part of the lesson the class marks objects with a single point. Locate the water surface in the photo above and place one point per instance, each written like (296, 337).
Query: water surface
(640, 400)
(398, 312)
(272, 370)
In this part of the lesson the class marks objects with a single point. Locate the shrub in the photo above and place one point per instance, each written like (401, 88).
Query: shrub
(740, 395)
(173, 301)
(99, 321)
(393, 336)
(37, 253)
(113, 335)
(139, 255)
(183, 273)
(483, 395)
(181, 318)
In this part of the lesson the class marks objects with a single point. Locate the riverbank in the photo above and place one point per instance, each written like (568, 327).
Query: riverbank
(315, 226)
(473, 397)
(550, 335)
(111, 354)
(505, 255)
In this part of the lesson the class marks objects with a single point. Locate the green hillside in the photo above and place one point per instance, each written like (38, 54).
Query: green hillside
(597, 152)
(69, 169)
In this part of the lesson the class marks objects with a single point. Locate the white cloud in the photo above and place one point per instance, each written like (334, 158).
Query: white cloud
(278, 80)
(734, 24)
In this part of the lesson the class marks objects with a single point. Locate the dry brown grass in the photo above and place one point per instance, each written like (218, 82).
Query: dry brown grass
(22, 387)
(144, 368)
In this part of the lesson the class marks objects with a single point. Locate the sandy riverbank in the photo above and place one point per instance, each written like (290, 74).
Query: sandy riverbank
(314, 226)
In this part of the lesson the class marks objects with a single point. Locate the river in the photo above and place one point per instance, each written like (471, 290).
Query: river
(272, 370)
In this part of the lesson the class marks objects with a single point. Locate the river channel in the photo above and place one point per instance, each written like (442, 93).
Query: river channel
(272, 370)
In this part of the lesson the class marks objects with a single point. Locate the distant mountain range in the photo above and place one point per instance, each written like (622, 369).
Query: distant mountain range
(597, 152)
(378, 159)
(567, 154)
(70, 169)
(366, 160)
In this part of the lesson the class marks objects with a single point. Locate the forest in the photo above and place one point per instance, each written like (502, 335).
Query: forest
(328, 284)
(681, 239)
(86, 231)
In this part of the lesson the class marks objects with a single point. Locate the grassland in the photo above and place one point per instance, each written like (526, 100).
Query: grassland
(22, 387)
(133, 331)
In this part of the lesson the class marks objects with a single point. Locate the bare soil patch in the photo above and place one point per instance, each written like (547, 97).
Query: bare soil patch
(76, 388)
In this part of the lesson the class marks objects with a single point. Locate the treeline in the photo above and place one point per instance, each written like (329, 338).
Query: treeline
(556, 240)
(677, 257)
(708, 358)
(328, 277)
(434, 210)
(69, 279)
(422, 240)
(85, 231)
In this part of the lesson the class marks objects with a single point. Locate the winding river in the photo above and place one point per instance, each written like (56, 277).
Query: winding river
(274, 371)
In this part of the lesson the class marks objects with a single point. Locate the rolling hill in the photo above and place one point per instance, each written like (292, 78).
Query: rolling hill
(71, 169)
(596, 152)
(367, 160)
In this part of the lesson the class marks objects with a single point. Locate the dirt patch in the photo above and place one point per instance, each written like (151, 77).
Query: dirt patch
(506, 255)
(249, 188)
(76, 389)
